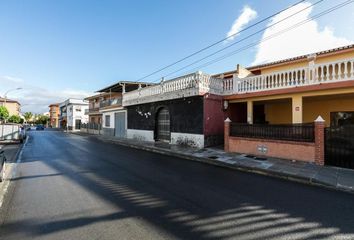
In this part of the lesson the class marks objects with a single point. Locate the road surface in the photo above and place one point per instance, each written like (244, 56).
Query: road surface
(74, 187)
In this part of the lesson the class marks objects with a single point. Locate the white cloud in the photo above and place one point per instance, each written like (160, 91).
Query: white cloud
(8, 79)
(37, 99)
(247, 15)
(307, 38)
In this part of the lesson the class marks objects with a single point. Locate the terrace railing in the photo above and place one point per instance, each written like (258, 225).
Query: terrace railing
(185, 86)
(91, 110)
(199, 83)
(94, 126)
(286, 132)
(111, 102)
(336, 71)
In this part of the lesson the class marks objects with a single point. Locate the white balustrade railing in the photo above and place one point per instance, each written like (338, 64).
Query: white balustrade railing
(184, 86)
(320, 73)
(199, 83)
(334, 71)
(275, 80)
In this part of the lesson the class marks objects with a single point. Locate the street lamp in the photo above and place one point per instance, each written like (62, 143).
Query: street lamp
(14, 89)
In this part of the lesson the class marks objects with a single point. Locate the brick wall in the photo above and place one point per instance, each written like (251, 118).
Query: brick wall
(301, 151)
(291, 150)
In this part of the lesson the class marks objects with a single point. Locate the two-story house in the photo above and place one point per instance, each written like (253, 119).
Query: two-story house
(13, 106)
(273, 107)
(106, 109)
(72, 114)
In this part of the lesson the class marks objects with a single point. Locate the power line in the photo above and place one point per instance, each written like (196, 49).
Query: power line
(241, 40)
(220, 41)
(268, 38)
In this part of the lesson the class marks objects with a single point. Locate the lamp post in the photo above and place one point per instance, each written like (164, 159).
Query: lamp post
(14, 89)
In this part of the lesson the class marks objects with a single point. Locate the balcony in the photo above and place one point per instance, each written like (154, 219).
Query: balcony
(338, 71)
(91, 111)
(111, 102)
(186, 86)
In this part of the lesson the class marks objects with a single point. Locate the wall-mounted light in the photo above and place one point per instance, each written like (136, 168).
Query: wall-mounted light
(226, 104)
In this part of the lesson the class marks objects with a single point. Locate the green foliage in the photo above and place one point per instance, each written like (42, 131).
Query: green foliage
(4, 113)
(42, 119)
(15, 119)
(28, 116)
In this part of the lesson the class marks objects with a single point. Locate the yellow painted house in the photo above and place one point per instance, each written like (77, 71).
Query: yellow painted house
(295, 90)
(13, 106)
(300, 108)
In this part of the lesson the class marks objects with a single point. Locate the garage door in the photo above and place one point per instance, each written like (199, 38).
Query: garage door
(119, 122)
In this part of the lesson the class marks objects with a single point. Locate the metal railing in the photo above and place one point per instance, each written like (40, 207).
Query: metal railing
(91, 110)
(288, 132)
(110, 102)
(93, 126)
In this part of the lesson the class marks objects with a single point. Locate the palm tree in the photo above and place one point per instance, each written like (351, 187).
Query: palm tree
(28, 116)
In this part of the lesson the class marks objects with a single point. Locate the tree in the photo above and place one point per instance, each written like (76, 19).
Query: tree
(28, 116)
(42, 119)
(14, 119)
(4, 113)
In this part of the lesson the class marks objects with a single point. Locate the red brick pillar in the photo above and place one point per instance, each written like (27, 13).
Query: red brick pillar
(226, 134)
(319, 140)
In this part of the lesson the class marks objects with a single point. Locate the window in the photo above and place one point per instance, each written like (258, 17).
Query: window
(107, 121)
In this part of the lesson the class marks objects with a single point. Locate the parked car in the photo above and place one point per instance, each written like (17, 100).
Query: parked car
(39, 127)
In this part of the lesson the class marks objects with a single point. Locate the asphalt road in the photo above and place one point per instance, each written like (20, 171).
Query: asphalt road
(74, 187)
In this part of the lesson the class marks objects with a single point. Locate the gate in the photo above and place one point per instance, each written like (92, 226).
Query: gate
(339, 146)
(163, 125)
(119, 124)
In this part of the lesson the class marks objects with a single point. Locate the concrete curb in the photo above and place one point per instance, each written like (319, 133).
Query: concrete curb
(9, 170)
(265, 172)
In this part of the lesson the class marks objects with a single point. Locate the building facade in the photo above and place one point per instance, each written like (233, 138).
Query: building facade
(106, 113)
(54, 114)
(300, 108)
(13, 106)
(72, 114)
(187, 110)
(273, 107)
(94, 115)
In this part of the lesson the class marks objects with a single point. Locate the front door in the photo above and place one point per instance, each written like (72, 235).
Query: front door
(77, 124)
(119, 122)
(163, 125)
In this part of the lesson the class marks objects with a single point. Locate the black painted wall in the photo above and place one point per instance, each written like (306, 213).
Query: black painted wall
(186, 115)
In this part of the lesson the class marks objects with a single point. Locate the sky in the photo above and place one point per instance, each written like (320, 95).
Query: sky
(56, 49)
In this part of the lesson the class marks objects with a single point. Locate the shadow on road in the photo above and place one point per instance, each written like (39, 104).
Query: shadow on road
(189, 200)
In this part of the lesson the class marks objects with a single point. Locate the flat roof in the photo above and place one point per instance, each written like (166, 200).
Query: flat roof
(54, 104)
(129, 86)
(9, 100)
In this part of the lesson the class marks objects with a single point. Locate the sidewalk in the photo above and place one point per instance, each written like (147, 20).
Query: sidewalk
(11, 152)
(330, 177)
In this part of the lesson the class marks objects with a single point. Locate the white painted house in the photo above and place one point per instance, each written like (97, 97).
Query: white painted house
(114, 115)
(72, 114)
